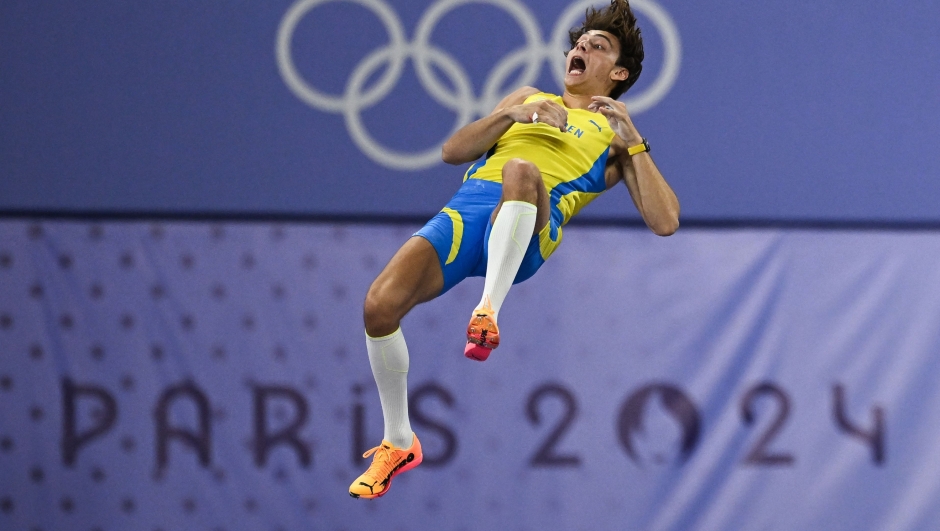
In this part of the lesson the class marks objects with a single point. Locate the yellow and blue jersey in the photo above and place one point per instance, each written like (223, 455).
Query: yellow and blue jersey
(572, 165)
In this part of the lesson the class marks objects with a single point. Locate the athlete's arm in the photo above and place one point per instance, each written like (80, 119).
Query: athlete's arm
(474, 139)
(651, 194)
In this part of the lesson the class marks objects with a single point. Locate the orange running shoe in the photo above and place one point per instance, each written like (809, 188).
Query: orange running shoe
(482, 333)
(389, 461)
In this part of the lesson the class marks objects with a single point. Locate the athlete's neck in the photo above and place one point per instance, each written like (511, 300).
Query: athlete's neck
(576, 101)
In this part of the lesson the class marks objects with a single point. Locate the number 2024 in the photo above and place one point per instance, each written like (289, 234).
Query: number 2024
(630, 418)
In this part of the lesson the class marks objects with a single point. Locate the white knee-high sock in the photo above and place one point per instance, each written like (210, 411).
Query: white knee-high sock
(509, 239)
(388, 357)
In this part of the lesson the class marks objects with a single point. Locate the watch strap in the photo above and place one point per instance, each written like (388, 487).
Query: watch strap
(639, 148)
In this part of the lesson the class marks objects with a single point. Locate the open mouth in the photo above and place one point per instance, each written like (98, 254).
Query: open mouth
(576, 66)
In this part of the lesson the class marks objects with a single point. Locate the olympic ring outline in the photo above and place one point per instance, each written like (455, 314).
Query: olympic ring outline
(463, 102)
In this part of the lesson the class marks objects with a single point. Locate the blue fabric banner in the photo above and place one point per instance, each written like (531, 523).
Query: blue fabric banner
(802, 110)
(165, 376)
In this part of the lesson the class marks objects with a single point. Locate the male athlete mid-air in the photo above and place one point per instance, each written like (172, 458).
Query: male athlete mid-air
(546, 157)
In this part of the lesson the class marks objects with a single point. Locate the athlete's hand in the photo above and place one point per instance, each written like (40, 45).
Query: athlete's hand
(618, 118)
(544, 112)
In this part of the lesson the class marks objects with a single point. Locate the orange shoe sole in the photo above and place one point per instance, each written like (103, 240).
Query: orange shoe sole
(482, 336)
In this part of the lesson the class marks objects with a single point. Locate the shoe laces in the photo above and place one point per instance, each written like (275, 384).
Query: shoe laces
(382, 463)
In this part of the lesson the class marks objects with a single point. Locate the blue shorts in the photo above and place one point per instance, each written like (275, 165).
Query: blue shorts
(460, 232)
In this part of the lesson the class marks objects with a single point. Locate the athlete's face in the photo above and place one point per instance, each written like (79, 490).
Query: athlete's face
(591, 65)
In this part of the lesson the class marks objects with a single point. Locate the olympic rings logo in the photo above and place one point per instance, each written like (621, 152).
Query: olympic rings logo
(461, 98)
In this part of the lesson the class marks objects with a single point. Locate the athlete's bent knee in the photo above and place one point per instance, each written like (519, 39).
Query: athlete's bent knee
(521, 178)
(379, 313)
(521, 169)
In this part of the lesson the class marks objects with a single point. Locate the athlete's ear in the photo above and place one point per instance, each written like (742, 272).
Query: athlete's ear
(619, 74)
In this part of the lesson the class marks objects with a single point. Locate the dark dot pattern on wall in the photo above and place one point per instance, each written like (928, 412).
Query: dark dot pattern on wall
(171, 375)
(181, 375)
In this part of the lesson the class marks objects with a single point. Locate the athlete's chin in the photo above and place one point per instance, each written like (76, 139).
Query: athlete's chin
(576, 84)
(573, 80)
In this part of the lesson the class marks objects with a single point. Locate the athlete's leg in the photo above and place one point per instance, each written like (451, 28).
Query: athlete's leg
(523, 210)
(522, 181)
(412, 276)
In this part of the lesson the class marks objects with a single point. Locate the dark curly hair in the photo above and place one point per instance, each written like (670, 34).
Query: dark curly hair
(617, 19)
